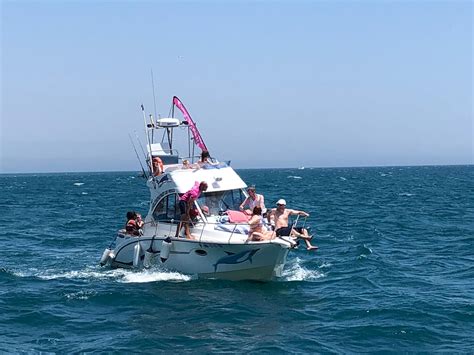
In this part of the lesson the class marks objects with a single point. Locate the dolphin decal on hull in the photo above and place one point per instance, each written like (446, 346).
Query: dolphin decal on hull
(238, 258)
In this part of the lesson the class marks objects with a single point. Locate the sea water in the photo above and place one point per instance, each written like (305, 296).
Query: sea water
(394, 270)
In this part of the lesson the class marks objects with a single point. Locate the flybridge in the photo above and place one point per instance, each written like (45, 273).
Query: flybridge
(165, 150)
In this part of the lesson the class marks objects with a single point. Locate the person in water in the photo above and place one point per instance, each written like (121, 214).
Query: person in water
(186, 203)
(257, 230)
(253, 200)
(280, 215)
(134, 223)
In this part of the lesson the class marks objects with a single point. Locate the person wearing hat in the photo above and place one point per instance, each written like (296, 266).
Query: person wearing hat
(253, 200)
(186, 203)
(280, 214)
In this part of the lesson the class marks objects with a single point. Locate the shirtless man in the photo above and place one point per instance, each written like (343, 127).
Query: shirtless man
(280, 215)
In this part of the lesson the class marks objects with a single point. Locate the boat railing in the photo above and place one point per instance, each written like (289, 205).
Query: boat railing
(202, 224)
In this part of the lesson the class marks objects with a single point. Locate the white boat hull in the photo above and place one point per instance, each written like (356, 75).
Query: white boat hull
(262, 261)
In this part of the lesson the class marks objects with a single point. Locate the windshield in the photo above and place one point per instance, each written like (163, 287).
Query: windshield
(221, 201)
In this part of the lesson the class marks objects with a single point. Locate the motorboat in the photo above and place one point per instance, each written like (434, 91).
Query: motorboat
(219, 247)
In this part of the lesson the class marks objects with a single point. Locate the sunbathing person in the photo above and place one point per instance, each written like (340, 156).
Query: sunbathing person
(206, 160)
(280, 215)
(257, 229)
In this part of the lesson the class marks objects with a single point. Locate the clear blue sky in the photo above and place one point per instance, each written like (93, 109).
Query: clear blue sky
(270, 83)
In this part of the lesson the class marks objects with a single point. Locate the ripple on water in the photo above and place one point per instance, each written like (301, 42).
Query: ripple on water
(393, 271)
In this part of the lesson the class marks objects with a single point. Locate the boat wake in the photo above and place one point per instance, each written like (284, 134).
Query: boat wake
(154, 276)
(120, 275)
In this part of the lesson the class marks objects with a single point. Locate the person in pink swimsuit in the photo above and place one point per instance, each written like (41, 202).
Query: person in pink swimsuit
(186, 202)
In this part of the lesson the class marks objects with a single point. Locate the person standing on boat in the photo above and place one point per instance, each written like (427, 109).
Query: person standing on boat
(253, 200)
(281, 215)
(186, 203)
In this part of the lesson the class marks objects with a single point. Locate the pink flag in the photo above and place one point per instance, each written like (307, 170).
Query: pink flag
(197, 136)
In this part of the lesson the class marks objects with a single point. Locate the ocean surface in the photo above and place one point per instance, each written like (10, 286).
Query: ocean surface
(394, 271)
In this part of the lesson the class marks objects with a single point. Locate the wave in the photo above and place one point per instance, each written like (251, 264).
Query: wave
(78, 183)
(80, 295)
(297, 272)
(294, 177)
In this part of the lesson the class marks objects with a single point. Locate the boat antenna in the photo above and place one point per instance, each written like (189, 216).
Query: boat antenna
(147, 139)
(135, 149)
(153, 87)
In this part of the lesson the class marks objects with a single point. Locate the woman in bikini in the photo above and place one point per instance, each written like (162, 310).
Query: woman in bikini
(257, 230)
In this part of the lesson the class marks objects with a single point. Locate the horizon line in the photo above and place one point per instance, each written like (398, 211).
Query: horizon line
(267, 168)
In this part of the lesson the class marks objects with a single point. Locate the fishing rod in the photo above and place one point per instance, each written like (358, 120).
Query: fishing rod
(141, 146)
(154, 104)
(135, 149)
(152, 125)
(148, 139)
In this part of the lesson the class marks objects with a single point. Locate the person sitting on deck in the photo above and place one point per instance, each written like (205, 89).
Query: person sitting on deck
(252, 201)
(257, 230)
(134, 223)
(280, 215)
(186, 164)
(206, 159)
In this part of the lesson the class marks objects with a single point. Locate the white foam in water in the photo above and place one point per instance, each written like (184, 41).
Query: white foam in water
(154, 276)
(123, 275)
(78, 183)
(81, 295)
(342, 178)
(296, 272)
(75, 274)
(294, 177)
(405, 194)
(325, 265)
(51, 274)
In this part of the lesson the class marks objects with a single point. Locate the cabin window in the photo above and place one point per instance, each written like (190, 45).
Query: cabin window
(167, 209)
(221, 201)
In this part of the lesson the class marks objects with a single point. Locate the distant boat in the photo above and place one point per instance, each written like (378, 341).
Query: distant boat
(301, 168)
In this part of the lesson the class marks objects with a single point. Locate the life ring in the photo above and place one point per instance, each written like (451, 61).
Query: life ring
(157, 166)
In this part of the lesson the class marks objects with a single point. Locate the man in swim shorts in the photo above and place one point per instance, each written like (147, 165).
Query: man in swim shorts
(280, 214)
